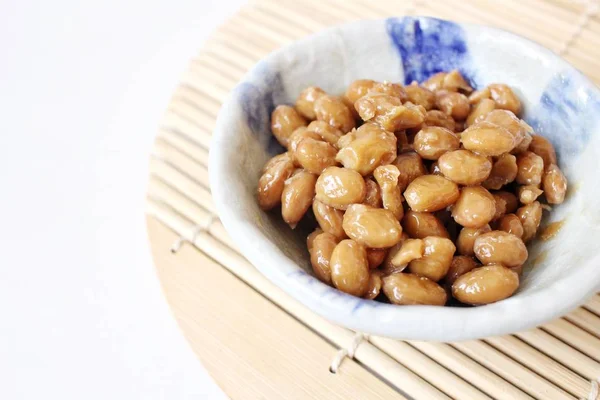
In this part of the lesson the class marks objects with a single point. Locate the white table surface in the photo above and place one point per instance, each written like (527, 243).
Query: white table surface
(82, 87)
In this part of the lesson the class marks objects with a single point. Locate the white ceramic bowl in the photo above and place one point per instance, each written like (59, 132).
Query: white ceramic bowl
(559, 102)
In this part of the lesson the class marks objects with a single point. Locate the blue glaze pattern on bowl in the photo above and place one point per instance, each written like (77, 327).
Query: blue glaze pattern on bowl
(258, 102)
(428, 46)
(566, 114)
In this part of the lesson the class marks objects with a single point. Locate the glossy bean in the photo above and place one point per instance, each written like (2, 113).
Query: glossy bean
(372, 227)
(431, 193)
(507, 120)
(272, 181)
(543, 148)
(332, 110)
(466, 239)
(454, 104)
(321, 250)
(422, 224)
(375, 257)
(412, 289)
(460, 265)
(340, 187)
(505, 98)
(389, 112)
(329, 219)
(298, 135)
(310, 239)
(530, 168)
(480, 110)
(305, 103)
(465, 167)
(485, 285)
(374, 285)
(439, 118)
(511, 203)
(511, 223)
(387, 178)
(436, 259)
(358, 89)
(531, 217)
(284, 121)
(420, 96)
(327, 132)
(350, 268)
(373, 194)
(504, 171)
(315, 155)
(488, 139)
(529, 193)
(431, 142)
(555, 185)
(474, 208)
(411, 249)
(390, 89)
(499, 247)
(297, 196)
(372, 147)
(410, 166)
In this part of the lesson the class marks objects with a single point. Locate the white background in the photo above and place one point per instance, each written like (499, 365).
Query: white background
(82, 87)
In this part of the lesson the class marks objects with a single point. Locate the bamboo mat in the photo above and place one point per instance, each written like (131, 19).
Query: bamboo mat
(259, 343)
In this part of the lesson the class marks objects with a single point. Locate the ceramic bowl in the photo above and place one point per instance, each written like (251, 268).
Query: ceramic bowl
(559, 103)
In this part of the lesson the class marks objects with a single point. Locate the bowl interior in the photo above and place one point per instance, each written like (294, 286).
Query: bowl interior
(558, 101)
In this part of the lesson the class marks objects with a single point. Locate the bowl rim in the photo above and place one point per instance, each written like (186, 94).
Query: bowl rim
(504, 317)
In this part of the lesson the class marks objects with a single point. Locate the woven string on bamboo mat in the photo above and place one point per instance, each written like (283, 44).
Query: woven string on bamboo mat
(205, 281)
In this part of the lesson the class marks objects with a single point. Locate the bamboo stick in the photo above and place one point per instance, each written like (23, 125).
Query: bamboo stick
(541, 364)
(470, 370)
(278, 38)
(561, 352)
(258, 48)
(172, 120)
(164, 193)
(183, 183)
(191, 112)
(285, 10)
(585, 320)
(256, 14)
(332, 12)
(593, 304)
(196, 101)
(185, 145)
(512, 371)
(201, 71)
(232, 55)
(219, 64)
(182, 162)
(204, 86)
(356, 8)
(428, 369)
(575, 337)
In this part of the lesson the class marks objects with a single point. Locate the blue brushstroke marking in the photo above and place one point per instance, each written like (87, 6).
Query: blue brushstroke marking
(428, 46)
(362, 303)
(297, 274)
(566, 114)
(258, 102)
